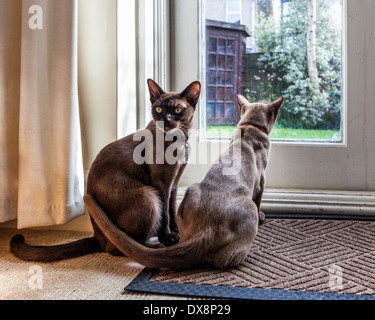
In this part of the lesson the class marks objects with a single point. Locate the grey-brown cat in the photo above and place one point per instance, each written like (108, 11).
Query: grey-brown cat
(218, 218)
(139, 197)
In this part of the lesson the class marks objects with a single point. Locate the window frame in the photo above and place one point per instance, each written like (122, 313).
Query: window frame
(293, 186)
(357, 197)
(280, 142)
(143, 52)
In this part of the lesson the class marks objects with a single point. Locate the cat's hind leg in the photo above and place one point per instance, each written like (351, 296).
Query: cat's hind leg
(262, 218)
(141, 216)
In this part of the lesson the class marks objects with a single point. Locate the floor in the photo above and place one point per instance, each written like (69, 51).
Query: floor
(97, 276)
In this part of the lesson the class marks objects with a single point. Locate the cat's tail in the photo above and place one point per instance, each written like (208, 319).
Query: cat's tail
(182, 255)
(53, 253)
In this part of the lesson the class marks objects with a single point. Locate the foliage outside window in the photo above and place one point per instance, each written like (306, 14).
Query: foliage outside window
(295, 51)
(306, 72)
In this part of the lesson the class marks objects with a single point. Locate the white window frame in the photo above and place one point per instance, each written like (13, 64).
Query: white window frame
(142, 53)
(292, 187)
(184, 65)
(202, 67)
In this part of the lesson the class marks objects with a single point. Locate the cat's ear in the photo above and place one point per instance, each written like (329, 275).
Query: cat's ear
(155, 91)
(242, 101)
(191, 93)
(276, 105)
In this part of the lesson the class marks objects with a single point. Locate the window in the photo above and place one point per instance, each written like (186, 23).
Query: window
(284, 8)
(303, 177)
(143, 53)
(233, 8)
(294, 50)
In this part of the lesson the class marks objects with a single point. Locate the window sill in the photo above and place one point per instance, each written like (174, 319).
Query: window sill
(314, 202)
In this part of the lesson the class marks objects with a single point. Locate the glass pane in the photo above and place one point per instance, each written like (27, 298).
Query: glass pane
(221, 77)
(221, 48)
(228, 111)
(210, 110)
(229, 94)
(211, 94)
(211, 77)
(234, 18)
(230, 47)
(233, 5)
(229, 78)
(230, 63)
(220, 111)
(292, 51)
(212, 61)
(221, 62)
(212, 45)
(220, 93)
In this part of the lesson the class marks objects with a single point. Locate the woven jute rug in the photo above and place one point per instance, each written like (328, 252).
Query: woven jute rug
(311, 256)
(97, 276)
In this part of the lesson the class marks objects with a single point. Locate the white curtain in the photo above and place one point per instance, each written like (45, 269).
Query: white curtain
(41, 170)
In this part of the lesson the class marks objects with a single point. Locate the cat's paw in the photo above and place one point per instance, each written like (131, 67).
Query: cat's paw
(155, 246)
(170, 239)
(173, 228)
(262, 217)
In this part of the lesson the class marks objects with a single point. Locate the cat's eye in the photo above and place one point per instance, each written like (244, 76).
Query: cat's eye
(159, 110)
(178, 110)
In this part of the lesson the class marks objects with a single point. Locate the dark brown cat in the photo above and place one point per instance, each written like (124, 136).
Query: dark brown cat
(133, 180)
(218, 218)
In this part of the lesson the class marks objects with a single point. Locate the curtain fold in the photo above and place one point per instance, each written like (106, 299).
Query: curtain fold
(41, 170)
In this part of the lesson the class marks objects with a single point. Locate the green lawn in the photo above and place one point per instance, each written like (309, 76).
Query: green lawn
(280, 133)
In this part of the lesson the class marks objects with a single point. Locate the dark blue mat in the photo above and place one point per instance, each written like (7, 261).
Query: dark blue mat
(143, 283)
